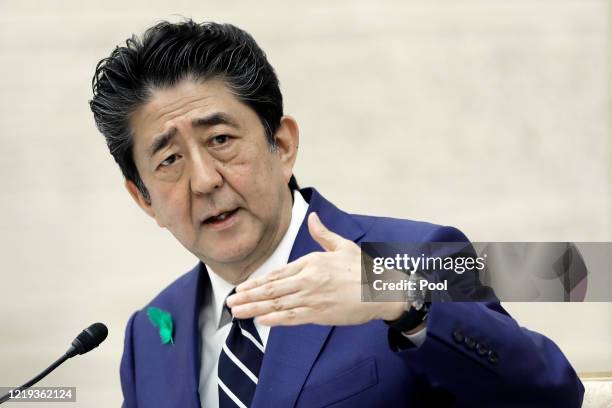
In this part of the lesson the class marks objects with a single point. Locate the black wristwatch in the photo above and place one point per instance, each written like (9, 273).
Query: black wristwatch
(411, 318)
(416, 306)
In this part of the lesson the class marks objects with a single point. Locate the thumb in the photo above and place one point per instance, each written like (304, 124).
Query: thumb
(330, 241)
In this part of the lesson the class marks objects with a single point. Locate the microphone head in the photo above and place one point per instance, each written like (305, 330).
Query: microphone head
(89, 338)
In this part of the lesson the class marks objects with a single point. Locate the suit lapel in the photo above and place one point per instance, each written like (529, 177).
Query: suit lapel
(183, 360)
(292, 351)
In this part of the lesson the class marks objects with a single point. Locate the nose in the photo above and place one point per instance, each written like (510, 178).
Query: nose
(205, 176)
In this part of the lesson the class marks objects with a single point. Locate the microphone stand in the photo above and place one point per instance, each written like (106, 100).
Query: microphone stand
(36, 379)
(86, 341)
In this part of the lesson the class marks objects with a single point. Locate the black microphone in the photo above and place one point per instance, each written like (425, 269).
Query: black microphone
(87, 340)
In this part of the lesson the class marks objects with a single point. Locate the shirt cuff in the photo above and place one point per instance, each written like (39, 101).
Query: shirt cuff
(417, 338)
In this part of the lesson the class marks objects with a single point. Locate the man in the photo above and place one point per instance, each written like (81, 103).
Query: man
(192, 113)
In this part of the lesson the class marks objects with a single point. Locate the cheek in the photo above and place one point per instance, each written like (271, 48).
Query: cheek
(259, 194)
(247, 174)
(173, 212)
(261, 188)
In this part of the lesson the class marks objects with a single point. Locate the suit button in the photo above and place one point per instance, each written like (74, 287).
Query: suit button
(481, 349)
(492, 357)
(469, 342)
(458, 336)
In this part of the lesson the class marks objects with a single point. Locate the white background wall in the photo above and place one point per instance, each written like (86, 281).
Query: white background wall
(492, 116)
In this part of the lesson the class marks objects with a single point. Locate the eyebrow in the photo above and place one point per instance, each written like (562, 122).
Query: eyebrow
(161, 141)
(218, 118)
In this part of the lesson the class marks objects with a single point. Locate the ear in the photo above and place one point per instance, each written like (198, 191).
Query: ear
(140, 200)
(287, 141)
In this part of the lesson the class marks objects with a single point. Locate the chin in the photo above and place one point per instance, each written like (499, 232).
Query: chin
(235, 252)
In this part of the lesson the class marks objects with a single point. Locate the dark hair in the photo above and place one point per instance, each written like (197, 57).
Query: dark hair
(168, 53)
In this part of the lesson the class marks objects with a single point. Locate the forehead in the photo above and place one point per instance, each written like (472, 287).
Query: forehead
(169, 107)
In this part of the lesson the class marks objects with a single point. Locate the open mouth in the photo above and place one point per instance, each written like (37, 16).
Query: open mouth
(218, 219)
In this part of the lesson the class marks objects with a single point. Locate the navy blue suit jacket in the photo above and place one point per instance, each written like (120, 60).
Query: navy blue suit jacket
(357, 366)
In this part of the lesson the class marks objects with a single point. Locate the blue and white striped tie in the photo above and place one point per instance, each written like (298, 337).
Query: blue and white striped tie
(239, 364)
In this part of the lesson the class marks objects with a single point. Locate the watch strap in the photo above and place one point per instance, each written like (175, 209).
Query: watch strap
(410, 319)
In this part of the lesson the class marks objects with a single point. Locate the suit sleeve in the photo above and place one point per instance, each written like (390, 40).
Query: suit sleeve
(476, 354)
(127, 373)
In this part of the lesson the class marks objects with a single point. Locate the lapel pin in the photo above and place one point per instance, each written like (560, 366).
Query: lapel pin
(162, 320)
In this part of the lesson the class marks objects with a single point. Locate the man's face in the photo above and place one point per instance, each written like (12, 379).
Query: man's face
(213, 179)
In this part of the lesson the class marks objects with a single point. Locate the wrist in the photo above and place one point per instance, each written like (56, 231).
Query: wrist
(412, 319)
(393, 310)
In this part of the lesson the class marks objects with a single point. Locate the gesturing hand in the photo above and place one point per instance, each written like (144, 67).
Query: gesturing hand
(321, 287)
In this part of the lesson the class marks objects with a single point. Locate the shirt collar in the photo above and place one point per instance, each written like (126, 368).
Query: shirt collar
(221, 288)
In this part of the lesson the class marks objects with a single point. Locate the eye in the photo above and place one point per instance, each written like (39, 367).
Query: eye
(168, 161)
(219, 140)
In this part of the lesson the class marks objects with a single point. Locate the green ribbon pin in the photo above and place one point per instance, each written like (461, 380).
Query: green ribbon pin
(162, 320)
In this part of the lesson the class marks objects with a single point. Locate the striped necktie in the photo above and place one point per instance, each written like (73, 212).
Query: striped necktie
(239, 364)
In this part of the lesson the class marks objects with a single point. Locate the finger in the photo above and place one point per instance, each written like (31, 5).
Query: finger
(267, 291)
(288, 270)
(291, 317)
(328, 240)
(264, 307)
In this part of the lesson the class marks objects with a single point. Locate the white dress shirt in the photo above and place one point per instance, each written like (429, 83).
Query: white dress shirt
(214, 332)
